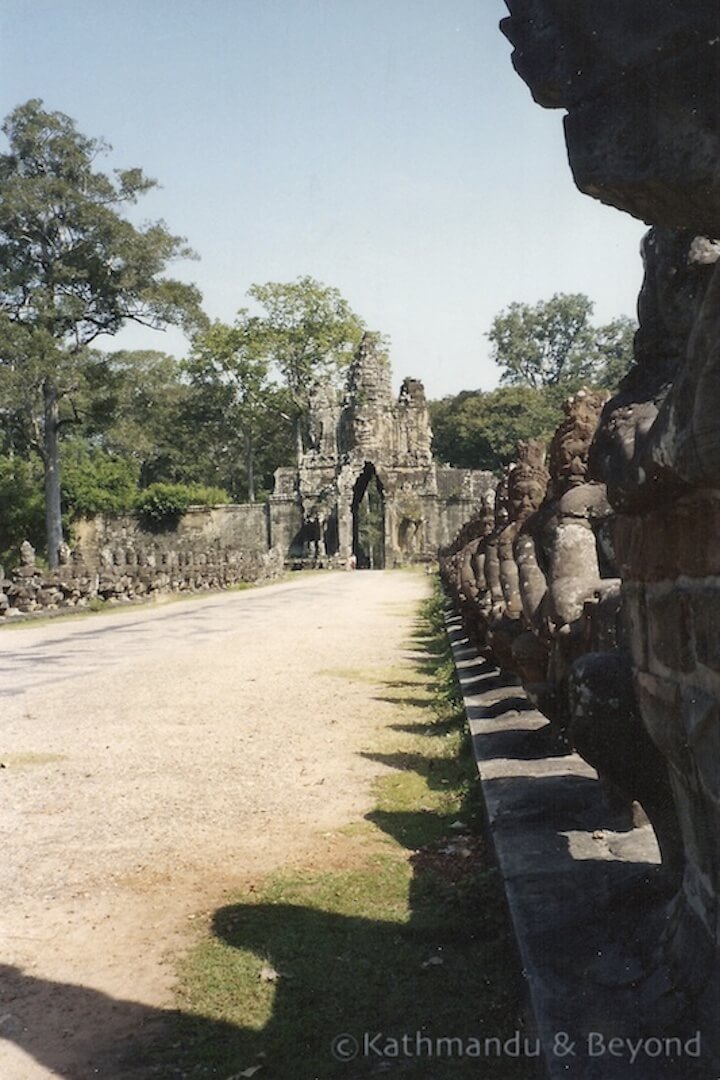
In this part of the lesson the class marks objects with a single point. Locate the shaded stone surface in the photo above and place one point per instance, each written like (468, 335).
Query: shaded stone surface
(581, 895)
(639, 80)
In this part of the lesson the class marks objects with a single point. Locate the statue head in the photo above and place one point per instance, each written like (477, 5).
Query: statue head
(527, 482)
(570, 445)
(678, 267)
(27, 554)
(637, 79)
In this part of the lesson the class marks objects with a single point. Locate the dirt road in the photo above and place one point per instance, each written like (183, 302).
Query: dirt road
(155, 758)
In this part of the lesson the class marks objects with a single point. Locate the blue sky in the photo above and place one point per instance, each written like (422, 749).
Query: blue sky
(385, 147)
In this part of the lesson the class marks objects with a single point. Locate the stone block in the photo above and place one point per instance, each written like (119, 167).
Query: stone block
(669, 625)
(706, 626)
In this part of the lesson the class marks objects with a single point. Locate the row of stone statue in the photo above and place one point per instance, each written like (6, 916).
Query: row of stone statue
(596, 578)
(535, 578)
(637, 81)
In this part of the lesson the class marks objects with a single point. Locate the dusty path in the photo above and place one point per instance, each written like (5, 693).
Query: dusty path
(153, 759)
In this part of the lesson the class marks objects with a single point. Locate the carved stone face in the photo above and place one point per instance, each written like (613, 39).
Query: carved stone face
(570, 446)
(678, 267)
(527, 481)
(527, 492)
(639, 80)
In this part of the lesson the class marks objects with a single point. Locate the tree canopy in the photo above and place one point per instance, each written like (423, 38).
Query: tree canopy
(477, 430)
(72, 267)
(310, 333)
(232, 395)
(554, 343)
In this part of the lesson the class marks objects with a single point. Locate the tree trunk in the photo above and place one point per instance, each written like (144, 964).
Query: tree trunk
(51, 461)
(299, 445)
(250, 465)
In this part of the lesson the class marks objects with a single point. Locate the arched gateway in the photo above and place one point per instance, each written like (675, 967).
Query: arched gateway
(367, 485)
(368, 528)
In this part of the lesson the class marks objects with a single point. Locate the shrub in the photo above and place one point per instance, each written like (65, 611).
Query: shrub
(95, 482)
(22, 509)
(162, 504)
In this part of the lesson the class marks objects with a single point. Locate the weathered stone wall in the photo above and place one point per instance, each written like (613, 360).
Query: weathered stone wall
(638, 82)
(461, 494)
(372, 437)
(201, 530)
(119, 559)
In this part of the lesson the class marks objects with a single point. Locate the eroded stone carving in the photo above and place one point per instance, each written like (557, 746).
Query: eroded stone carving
(373, 438)
(561, 562)
(639, 80)
(547, 604)
(526, 487)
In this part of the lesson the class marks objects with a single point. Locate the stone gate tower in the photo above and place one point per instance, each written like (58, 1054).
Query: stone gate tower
(370, 437)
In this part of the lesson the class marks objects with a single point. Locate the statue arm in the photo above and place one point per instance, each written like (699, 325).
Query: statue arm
(532, 580)
(574, 571)
(492, 573)
(509, 575)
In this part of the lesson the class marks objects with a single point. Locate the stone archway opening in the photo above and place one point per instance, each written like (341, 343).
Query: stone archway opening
(368, 520)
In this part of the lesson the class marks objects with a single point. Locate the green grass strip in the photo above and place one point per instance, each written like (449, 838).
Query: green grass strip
(408, 940)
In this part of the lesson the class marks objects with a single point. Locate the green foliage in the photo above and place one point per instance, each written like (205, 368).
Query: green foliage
(310, 333)
(553, 342)
(476, 430)
(547, 351)
(21, 505)
(72, 267)
(186, 422)
(135, 408)
(310, 330)
(614, 342)
(162, 504)
(96, 482)
(228, 372)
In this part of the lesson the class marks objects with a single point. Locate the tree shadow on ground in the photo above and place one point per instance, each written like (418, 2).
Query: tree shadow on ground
(347, 981)
(441, 969)
(430, 729)
(76, 1032)
(376, 981)
(436, 771)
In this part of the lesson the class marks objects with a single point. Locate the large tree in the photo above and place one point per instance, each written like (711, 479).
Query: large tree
(136, 407)
(72, 267)
(554, 343)
(614, 343)
(228, 368)
(311, 333)
(480, 430)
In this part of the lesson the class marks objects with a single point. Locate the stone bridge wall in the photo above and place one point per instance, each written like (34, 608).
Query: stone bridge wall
(118, 559)
(600, 583)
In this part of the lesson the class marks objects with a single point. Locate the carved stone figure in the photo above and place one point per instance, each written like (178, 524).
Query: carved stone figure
(459, 567)
(323, 418)
(27, 554)
(526, 488)
(486, 565)
(678, 269)
(560, 562)
(373, 438)
(638, 79)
